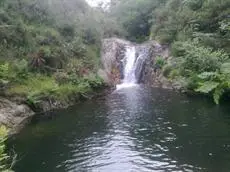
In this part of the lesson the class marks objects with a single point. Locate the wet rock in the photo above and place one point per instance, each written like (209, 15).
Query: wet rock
(112, 57)
(14, 115)
(112, 53)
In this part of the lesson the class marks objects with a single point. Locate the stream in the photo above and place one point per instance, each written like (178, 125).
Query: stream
(135, 129)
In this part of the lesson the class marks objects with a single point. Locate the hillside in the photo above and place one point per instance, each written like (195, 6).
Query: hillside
(50, 49)
(197, 32)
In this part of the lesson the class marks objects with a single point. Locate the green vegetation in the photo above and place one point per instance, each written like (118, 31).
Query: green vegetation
(18, 81)
(160, 62)
(198, 32)
(204, 70)
(50, 49)
(3, 156)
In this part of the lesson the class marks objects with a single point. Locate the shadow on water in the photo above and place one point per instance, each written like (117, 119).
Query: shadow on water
(132, 129)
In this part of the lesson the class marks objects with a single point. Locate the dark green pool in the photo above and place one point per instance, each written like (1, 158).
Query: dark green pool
(132, 130)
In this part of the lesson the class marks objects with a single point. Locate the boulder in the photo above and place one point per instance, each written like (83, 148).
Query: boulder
(13, 115)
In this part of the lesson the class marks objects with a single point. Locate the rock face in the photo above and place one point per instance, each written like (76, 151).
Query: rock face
(113, 51)
(113, 54)
(13, 115)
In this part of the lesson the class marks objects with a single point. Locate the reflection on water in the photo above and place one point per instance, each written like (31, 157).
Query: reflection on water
(133, 129)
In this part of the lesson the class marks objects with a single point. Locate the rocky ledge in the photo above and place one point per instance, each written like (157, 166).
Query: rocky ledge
(113, 54)
(13, 115)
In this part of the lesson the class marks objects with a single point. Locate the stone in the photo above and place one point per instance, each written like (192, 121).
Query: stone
(13, 115)
(113, 53)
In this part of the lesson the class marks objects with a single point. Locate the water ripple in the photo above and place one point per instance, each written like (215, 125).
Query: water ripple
(132, 130)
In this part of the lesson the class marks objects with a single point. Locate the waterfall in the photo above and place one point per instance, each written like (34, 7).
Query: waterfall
(129, 72)
(133, 66)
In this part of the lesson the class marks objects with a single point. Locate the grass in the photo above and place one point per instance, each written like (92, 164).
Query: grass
(36, 84)
(17, 81)
(3, 156)
(39, 86)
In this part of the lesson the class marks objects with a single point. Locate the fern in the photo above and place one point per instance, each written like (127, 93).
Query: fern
(207, 87)
(218, 93)
(3, 156)
(207, 75)
(4, 70)
(225, 68)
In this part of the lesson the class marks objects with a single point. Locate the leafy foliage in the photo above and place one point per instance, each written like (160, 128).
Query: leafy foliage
(198, 32)
(48, 49)
(197, 58)
(160, 62)
(207, 87)
(215, 83)
(4, 70)
(39, 87)
(3, 156)
(135, 17)
(206, 70)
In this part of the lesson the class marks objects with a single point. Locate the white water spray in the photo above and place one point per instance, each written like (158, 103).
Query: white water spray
(129, 73)
(129, 70)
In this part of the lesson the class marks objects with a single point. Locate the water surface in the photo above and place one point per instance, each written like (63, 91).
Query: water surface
(134, 129)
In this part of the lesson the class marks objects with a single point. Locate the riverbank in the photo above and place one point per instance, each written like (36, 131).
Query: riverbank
(126, 131)
(17, 110)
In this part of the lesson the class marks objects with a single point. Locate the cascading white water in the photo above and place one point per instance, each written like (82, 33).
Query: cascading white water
(129, 73)
(129, 70)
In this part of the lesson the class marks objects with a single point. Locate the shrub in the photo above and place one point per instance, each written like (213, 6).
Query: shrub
(39, 87)
(197, 58)
(207, 71)
(93, 80)
(174, 73)
(36, 84)
(4, 70)
(3, 156)
(167, 69)
(67, 31)
(61, 77)
(21, 69)
(215, 83)
(160, 62)
(6, 74)
(64, 91)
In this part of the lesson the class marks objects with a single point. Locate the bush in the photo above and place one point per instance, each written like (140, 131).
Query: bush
(207, 71)
(3, 156)
(93, 80)
(7, 74)
(34, 85)
(38, 87)
(214, 83)
(198, 59)
(4, 71)
(21, 68)
(174, 73)
(167, 70)
(160, 62)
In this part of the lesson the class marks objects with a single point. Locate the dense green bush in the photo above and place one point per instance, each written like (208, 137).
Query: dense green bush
(206, 70)
(4, 71)
(48, 52)
(215, 83)
(176, 20)
(135, 17)
(197, 58)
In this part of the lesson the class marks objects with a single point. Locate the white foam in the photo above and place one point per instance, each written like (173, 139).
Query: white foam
(125, 85)
(129, 69)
